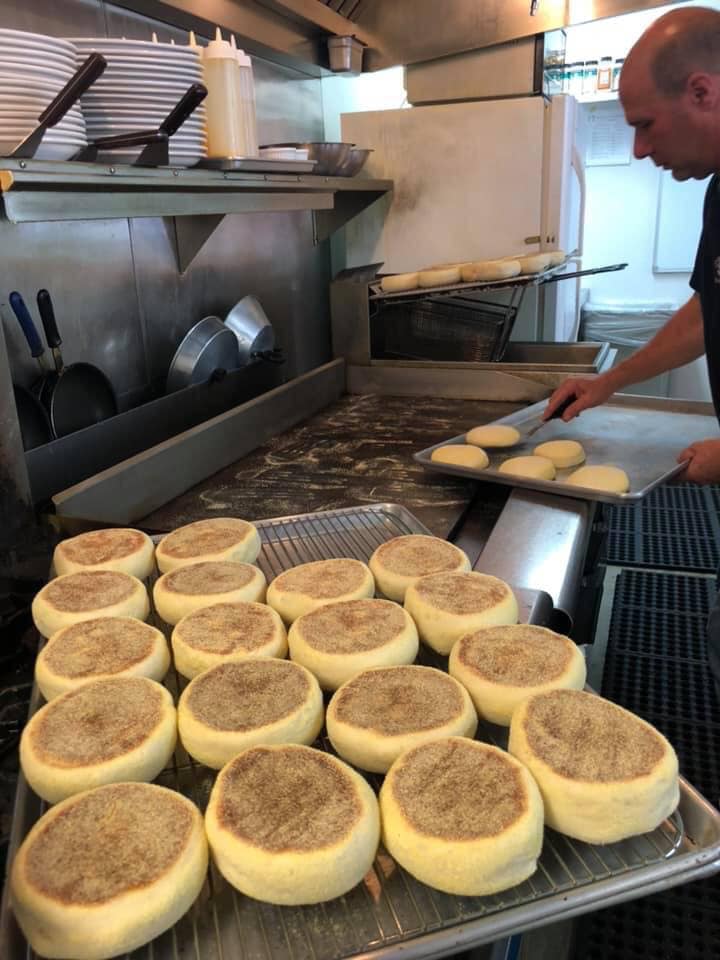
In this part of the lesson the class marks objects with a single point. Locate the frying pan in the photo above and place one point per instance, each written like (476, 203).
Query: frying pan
(207, 347)
(35, 428)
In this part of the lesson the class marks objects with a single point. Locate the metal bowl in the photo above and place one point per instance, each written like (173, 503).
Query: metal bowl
(356, 160)
(253, 330)
(328, 157)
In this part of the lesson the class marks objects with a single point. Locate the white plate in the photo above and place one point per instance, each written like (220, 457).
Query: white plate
(32, 70)
(14, 85)
(136, 105)
(37, 39)
(112, 77)
(124, 46)
(25, 125)
(21, 55)
(34, 106)
(123, 62)
(46, 151)
(156, 87)
(8, 132)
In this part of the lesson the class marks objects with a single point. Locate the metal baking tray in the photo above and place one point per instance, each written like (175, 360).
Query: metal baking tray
(257, 165)
(643, 435)
(390, 914)
(549, 275)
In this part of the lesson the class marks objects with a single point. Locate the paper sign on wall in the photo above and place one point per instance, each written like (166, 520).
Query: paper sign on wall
(609, 138)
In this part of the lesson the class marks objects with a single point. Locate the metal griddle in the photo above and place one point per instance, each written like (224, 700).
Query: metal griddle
(391, 914)
(643, 435)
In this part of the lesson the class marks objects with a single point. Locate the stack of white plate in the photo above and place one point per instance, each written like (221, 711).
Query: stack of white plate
(142, 83)
(33, 70)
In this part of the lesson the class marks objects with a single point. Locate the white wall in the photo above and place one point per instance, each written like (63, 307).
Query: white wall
(382, 90)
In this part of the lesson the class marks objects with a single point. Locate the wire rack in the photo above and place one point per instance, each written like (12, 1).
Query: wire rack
(390, 913)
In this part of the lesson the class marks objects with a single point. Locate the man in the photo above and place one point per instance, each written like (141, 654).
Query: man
(670, 92)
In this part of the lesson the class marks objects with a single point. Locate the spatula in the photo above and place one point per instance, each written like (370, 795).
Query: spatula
(553, 416)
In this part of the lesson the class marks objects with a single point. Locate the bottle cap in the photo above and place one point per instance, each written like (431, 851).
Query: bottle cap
(218, 48)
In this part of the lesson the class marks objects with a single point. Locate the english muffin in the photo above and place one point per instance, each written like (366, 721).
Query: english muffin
(121, 549)
(292, 825)
(108, 870)
(106, 731)
(194, 586)
(219, 538)
(604, 773)
(308, 586)
(445, 606)
(502, 666)
(224, 633)
(400, 561)
(339, 640)
(462, 816)
(95, 649)
(75, 597)
(383, 712)
(233, 706)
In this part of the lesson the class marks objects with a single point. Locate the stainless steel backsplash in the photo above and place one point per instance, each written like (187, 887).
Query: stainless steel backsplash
(119, 299)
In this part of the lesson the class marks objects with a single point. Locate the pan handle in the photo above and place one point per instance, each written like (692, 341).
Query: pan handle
(190, 100)
(93, 68)
(47, 315)
(26, 323)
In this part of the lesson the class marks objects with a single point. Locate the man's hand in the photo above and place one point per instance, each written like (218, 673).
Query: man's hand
(589, 392)
(704, 462)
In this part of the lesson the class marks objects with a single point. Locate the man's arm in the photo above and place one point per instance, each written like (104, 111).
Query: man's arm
(678, 342)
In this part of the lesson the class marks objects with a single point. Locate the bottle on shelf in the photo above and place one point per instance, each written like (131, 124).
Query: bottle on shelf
(604, 75)
(225, 116)
(575, 78)
(617, 67)
(590, 75)
(246, 87)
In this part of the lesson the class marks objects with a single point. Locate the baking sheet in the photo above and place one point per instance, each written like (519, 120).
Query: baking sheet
(643, 435)
(390, 914)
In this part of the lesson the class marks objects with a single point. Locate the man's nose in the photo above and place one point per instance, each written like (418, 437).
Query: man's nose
(641, 146)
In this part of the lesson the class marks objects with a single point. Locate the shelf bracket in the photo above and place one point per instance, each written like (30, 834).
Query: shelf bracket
(346, 206)
(188, 235)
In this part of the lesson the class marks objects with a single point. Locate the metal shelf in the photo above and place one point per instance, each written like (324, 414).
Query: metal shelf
(37, 190)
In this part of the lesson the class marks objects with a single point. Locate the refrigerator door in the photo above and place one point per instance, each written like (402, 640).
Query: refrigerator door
(563, 216)
(468, 183)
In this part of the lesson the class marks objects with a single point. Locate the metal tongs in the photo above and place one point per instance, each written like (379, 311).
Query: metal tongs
(88, 73)
(156, 152)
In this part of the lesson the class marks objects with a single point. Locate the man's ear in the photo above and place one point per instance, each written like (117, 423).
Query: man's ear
(703, 90)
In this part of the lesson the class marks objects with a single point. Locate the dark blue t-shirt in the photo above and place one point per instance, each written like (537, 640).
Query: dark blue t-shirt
(705, 281)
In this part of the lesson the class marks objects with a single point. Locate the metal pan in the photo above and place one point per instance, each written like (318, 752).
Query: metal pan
(75, 396)
(207, 347)
(35, 428)
(254, 332)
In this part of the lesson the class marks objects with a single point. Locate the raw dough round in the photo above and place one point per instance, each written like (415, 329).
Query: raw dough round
(108, 870)
(557, 257)
(95, 649)
(399, 562)
(439, 278)
(220, 538)
(308, 586)
(75, 597)
(461, 455)
(445, 606)
(462, 816)
(399, 283)
(601, 477)
(537, 468)
(381, 713)
(234, 706)
(105, 731)
(563, 453)
(339, 640)
(125, 550)
(292, 825)
(535, 263)
(502, 666)
(197, 585)
(493, 435)
(225, 633)
(604, 773)
(486, 271)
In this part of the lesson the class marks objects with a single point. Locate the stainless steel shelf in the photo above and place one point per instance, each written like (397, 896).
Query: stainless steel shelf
(41, 190)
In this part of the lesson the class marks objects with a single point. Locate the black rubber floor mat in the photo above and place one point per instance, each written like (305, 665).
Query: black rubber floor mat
(656, 666)
(661, 927)
(675, 527)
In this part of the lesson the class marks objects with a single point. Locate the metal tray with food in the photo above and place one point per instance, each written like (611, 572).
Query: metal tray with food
(390, 914)
(642, 435)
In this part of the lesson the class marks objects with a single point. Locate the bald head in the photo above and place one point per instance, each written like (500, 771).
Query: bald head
(675, 46)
